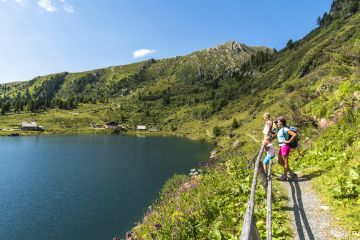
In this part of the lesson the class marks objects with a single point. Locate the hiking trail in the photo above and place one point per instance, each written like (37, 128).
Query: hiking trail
(310, 218)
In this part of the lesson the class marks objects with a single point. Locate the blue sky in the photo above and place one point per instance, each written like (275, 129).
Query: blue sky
(39, 37)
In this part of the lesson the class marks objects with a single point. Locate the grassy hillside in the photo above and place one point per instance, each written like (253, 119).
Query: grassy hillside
(315, 82)
(219, 95)
(140, 88)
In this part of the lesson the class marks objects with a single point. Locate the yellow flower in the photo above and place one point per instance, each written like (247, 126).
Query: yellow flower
(177, 216)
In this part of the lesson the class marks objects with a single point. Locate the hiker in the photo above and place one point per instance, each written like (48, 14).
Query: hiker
(270, 153)
(285, 137)
(268, 125)
(274, 129)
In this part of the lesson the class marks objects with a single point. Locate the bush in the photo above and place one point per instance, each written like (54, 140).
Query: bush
(290, 44)
(235, 124)
(289, 88)
(347, 185)
(173, 127)
(172, 185)
(216, 131)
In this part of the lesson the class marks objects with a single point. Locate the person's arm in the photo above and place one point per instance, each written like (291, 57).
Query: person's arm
(273, 131)
(270, 124)
(266, 147)
(293, 136)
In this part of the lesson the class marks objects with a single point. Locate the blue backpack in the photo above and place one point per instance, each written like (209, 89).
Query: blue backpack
(295, 142)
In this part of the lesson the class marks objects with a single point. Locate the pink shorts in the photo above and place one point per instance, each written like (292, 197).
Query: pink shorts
(284, 150)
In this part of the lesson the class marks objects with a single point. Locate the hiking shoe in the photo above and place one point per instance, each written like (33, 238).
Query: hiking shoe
(293, 175)
(282, 178)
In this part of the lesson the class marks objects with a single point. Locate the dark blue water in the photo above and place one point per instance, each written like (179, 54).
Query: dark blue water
(85, 187)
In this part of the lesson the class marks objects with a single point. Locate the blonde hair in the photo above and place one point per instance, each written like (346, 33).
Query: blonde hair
(267, 115)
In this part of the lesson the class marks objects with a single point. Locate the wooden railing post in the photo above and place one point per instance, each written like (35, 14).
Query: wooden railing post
(249, 225)
(249, 230)
(269, 204)
(262, 175)
(263, 179)
(254, 235)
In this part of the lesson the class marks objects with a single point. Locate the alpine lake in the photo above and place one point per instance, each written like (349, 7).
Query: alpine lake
(88, 186)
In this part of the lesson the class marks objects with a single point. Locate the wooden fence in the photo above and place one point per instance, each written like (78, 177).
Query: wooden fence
(249, 230)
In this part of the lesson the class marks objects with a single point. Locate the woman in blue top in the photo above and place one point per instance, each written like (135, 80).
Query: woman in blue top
(284, 136)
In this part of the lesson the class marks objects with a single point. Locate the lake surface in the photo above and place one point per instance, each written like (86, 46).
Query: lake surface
(85, 187)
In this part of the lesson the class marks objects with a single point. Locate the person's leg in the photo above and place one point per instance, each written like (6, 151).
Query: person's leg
(280, 159)
(266, 162)
(286, 164)
(292, 174)
(285, 151)
(282, 163)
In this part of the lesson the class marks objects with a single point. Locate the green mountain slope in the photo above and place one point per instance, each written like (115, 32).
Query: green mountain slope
(219, 95)
(140, 92)
(119, 80)
(314, 82)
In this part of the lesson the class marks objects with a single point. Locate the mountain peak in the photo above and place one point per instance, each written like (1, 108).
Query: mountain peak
(234, 46)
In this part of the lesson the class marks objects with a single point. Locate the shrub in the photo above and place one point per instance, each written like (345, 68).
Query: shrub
(216, 131)
(290, 44)
(289, 88)
(235, 124)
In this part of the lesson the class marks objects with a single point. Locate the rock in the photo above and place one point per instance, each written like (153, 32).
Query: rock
(213, 153)
(158, 226)
(323, 124)
(128, 236)
(323, 207)
(236, 144)
(236, 47)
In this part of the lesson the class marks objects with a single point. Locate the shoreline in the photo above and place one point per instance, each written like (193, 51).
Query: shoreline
(21, 133)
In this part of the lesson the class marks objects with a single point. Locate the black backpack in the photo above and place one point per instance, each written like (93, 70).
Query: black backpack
(295, 142)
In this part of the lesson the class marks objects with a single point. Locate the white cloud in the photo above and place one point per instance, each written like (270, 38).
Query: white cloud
(69, 9)
(47, 5)
(142, 52)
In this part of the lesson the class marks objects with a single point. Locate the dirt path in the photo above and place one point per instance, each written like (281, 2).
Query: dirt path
(311, 219)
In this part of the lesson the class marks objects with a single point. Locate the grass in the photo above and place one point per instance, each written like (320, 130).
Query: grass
(335, 155)
(347, 213)
(317, 79)
(57, 121)
(210, 205)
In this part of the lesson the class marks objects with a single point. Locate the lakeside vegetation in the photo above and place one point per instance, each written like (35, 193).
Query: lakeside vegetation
(219, 95)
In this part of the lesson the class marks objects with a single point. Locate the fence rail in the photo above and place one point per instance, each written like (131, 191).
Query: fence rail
(249, 230)
(269, 204)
